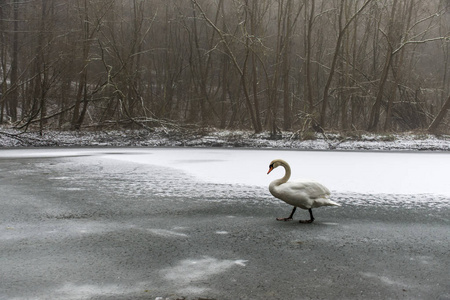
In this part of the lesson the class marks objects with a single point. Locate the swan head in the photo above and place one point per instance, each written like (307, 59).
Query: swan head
(276, 163)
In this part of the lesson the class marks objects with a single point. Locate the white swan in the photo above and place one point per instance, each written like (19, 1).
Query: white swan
(301, 193)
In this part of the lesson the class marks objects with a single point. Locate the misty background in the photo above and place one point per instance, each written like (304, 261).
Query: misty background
(261, 65)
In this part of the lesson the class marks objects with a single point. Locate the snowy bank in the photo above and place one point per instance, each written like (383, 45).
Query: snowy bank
(160, 137)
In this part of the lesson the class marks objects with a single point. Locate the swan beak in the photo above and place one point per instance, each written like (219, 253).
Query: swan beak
(270, 169)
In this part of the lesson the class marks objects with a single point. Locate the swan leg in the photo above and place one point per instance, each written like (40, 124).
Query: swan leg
(311, 217)
(290, 216)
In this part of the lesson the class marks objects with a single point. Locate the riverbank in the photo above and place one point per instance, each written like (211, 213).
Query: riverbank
(163, 137)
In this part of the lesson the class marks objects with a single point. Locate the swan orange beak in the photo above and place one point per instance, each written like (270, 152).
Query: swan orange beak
(270, 170)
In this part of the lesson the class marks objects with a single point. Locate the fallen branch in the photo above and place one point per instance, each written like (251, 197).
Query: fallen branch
(30, 141)
(13, 136)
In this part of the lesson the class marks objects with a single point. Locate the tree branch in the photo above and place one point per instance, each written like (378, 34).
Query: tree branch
(420, 42)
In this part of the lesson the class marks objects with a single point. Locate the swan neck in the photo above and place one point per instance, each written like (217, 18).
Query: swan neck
(287, 173)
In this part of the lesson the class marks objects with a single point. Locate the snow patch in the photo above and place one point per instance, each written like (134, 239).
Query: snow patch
(358, 172)
(189, 275)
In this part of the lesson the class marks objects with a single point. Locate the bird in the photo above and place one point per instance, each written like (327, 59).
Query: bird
(306, 194)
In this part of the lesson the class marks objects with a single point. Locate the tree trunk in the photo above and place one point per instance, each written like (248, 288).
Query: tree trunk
(78, 116)
(308, 84)
(376, 109)
(14, 93)
(440, 116)
(287, 109)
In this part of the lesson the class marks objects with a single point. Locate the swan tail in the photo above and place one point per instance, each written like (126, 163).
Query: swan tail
(332, 203)
(325, 202)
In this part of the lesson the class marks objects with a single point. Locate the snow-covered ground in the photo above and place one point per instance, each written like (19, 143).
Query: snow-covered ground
(10, 138)
(360, 172)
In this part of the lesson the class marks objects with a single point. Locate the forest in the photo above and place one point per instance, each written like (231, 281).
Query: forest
(260, 65)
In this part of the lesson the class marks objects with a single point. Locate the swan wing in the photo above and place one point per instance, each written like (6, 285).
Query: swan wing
(319, 193)
(313, 188)
(304, 194)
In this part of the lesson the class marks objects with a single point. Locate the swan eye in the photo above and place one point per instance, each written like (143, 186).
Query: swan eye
(271, 166)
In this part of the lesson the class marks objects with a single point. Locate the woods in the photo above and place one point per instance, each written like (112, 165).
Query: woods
(347, 65)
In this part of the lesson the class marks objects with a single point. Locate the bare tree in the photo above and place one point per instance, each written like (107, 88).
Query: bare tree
(240, 68)
(342, 30)
(396, 42)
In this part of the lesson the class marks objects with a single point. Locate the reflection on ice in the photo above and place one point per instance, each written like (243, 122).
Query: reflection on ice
(167, 233)
(221, 232)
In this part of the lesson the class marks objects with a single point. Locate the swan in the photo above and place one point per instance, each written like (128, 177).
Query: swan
(305, 194)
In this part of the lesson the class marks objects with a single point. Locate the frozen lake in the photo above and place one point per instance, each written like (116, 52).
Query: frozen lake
(343, 172)
(184, 223)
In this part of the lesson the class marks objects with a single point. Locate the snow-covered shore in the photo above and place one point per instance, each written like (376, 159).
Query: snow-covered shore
(160, 137)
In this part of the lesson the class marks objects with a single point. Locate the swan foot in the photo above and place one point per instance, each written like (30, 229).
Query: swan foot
(290, 216)
(310, 220)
